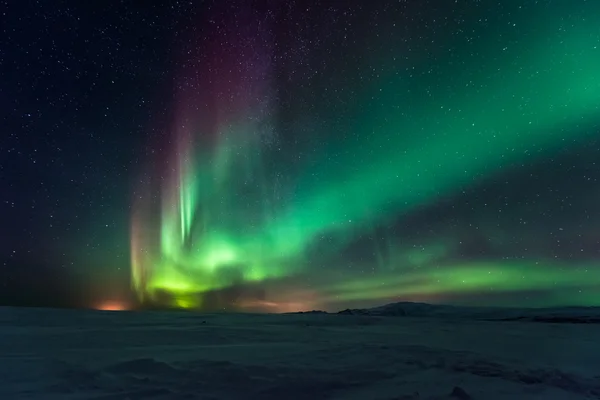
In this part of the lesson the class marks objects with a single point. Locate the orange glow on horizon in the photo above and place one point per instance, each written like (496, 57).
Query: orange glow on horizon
(112, 305)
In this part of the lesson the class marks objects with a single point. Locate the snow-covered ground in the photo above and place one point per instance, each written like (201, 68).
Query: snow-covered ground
(68, 354)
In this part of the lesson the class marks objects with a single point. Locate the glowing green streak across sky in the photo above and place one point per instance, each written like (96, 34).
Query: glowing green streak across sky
(462, 135)
(413, 140)
(481, 277)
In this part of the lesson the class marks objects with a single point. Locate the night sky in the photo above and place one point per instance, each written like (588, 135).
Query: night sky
(281, 156)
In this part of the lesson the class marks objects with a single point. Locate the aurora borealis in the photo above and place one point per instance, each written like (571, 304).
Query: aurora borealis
(351, 154)
(403, 141)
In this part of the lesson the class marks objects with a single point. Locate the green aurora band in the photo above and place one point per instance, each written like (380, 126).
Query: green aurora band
(408, 142)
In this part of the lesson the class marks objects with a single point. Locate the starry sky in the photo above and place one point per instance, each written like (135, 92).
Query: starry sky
(282, 156)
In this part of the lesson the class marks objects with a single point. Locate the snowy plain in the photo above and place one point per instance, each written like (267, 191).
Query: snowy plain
(400, 352)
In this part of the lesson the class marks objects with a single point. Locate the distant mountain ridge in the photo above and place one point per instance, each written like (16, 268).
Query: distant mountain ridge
(550, 315)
